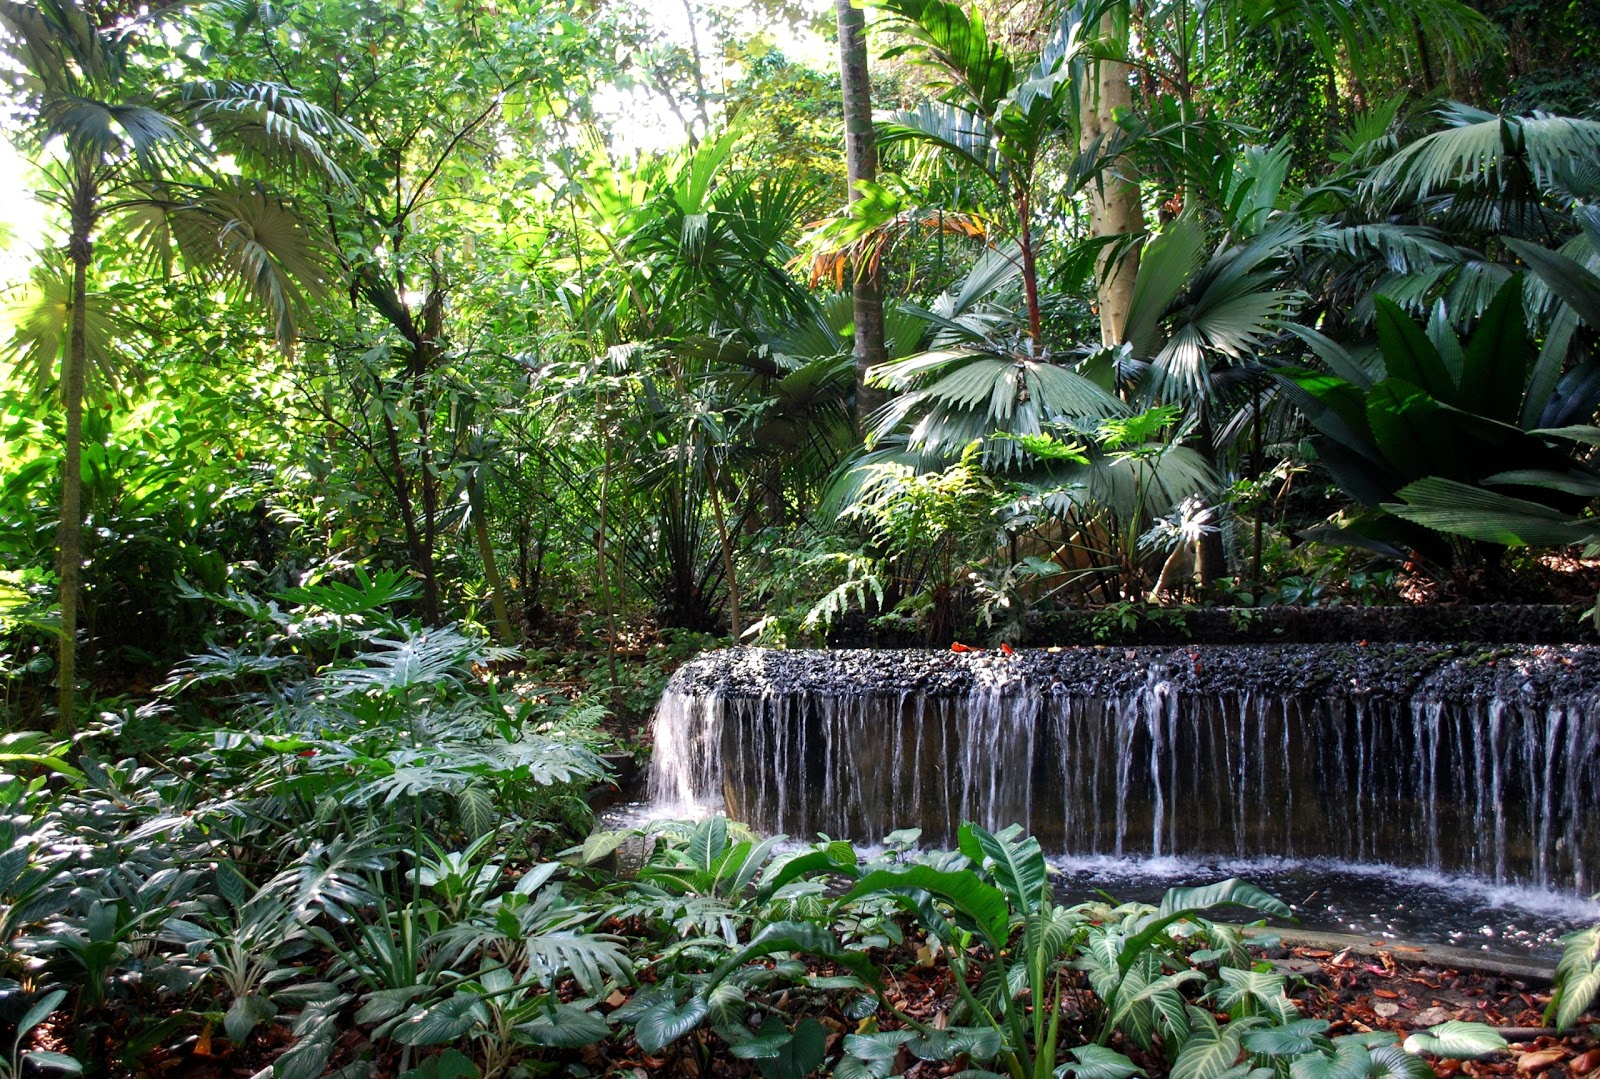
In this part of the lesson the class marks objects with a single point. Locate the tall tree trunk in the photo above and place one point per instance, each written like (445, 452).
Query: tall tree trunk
(491, 569)
(861, 158)
(1114, 207)
(70, 530)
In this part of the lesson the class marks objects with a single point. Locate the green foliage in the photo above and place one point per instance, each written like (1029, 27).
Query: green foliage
(1577, 982)
(1444, 410)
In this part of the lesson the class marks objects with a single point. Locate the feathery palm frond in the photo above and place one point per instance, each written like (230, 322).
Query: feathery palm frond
(270, 123)
(1512, 155)
(944, 36)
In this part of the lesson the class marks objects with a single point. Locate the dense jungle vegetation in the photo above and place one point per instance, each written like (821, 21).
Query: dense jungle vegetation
(393, 392)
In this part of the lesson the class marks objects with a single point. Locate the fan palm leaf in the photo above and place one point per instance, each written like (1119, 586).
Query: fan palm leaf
(41, 322)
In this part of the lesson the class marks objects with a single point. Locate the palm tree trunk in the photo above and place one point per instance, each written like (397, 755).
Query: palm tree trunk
(861, 159)
(1114, 207)
(1030, 273)
(70, 535)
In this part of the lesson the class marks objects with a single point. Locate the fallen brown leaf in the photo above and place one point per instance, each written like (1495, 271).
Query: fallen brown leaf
(1540, 1060)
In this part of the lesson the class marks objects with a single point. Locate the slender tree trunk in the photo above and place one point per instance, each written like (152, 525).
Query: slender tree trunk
(600, 566)
(1030, 273)
(408, 513)
(1114, 207)
(430, 520)
(70, 534)
(727, 555)
(861, 158)
(491, 569)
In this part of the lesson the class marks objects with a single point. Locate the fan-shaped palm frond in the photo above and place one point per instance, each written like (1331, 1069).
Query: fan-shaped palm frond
(269, 123)
(954, 397)
(945, 127)
(104, 131)
(243, 235)
(1189, 310)
(41, 322)
(1134, 488)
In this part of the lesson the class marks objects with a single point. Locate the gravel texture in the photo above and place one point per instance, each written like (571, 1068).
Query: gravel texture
(1526, 672)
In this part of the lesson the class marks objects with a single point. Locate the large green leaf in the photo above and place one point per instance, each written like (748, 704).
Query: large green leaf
(1458, 1040)
(1496, 360)
(981, 903)
(1393, 1062)
(441, 1023)
(1017, 864)
(1409, 355)
(1567, 278)
(1348, 1060)
(1289, 1039)
(1232, 892)
(1211, 1049)
(1097, 1062)
(665, 1020)
(1577, 981)
(1334, 406)
(1462, 509)
(837, 858)
(564, 1026)
(1413, 433)
(944, 36)
(805, 937)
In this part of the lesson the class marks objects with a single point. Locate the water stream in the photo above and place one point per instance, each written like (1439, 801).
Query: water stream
(1381, 779)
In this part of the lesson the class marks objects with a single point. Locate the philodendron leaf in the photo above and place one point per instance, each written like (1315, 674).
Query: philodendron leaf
(245, 1014)
(1017, 865)
(794, 937)
(1097, 1062)
(1456, 1039)
(1211, 1050)
(665, 1021)
(1290, 1039)
(441, 1023)
(976, 1043)
(450, 1064)
(1181, 903)
(963, 889)
(1349, 1060)
(566, 1027)
(1393, 1062)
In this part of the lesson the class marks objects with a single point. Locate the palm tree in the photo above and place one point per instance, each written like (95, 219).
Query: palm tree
(997, 116)
(861, 155)
(131, 148)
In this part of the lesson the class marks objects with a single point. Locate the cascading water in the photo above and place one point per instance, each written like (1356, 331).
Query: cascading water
(1449, 759)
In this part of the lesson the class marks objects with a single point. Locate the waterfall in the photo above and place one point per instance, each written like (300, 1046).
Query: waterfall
(1489, 771)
